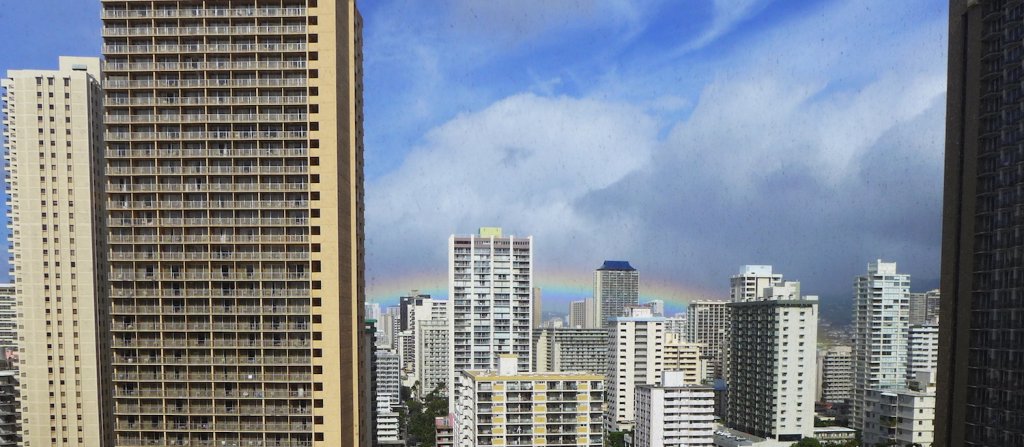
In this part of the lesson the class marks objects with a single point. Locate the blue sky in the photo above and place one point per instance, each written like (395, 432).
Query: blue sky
(687, 136)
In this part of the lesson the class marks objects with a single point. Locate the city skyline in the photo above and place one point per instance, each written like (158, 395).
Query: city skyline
(662, 73)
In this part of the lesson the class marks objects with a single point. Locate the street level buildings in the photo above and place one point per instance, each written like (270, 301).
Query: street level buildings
(772, 363)
(635, 357)
(234, 162)
(490, 280)
(508, 407)
(674, 413)
(54, 152)
(881, 326)
(616, 286)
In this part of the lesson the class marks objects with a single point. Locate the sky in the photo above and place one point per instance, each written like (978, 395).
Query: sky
(689, 137)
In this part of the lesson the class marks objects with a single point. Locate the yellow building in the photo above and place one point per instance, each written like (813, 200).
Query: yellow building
(235, 196)
(54, 151)
(685, 357)
(507, 407)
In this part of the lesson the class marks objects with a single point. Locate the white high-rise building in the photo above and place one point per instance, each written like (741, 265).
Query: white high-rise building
(570, 349)
(922, 350)
(373, 311)
(387, 394)
(674, 413)
(490, 280)
(835, 374)
(684, 358)
(677, 325)
(772, 363)
(751, 282)
(506, 406)
(881, 312)
(707, 324)
(432, 345)
(577, 314)
(389, 327)
(616, 287)
(657, 307)
(635, 357)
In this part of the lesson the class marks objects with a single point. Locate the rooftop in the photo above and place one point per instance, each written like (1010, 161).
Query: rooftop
(617, 265)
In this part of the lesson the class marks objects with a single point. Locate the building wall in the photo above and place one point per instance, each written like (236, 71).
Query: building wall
(922, 349)
(54, 152)
(240, 218)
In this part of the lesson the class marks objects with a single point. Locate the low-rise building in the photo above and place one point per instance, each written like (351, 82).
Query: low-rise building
(508, 407)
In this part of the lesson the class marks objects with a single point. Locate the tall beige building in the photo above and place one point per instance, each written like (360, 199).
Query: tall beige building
(54, 143)
(234, 187)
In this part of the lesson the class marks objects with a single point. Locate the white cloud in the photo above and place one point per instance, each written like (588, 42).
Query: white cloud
(727, 14)
(520, 164)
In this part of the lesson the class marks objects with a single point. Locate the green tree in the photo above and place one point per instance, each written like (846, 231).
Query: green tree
(807, 442)
(421, 415)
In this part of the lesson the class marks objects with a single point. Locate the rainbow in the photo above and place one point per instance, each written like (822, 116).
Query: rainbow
(559, 287)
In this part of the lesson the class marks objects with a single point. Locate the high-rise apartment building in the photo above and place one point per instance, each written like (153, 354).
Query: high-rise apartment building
(577, 314)
(408, 305)
(422, 309)
(750, 283)
(924, 307)
(674, 413)
(616, 286)
(432, 345)
(505, 406)
(981, 344)
(635, 357)
(835, 374)
(570, 349)
(881, 310)
(772, 363)
(387, 395)
(234, 161)
(490, 279)
(8, 316)
(922, 350)
(707, 324)
(54, 143)
(677, 325)
(684, 358)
